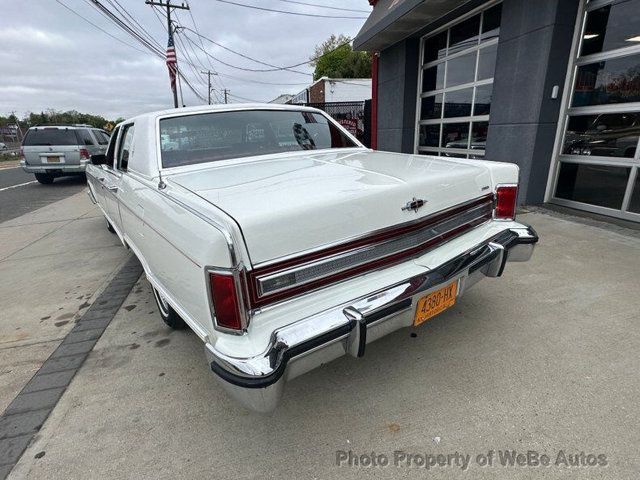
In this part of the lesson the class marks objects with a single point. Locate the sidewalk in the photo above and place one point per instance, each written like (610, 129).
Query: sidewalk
(53, 261)
(543, 359)
(9, 164)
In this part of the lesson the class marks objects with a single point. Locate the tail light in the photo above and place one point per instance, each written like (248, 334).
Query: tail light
(506, 201)
(226, 300)
(84, 153)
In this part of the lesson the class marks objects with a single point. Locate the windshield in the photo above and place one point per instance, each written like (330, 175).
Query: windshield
(211, 137)
(50, 136)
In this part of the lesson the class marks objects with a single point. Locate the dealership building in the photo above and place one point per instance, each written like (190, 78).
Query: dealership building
(552, 85)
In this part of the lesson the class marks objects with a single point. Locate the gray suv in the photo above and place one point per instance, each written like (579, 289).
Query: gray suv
(56, 151)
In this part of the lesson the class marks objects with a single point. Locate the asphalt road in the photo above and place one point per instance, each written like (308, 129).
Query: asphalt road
(20, 193)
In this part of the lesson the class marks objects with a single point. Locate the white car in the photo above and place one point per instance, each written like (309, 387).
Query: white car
(284, 243)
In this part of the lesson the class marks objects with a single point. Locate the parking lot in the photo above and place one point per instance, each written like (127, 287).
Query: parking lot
(543, 359)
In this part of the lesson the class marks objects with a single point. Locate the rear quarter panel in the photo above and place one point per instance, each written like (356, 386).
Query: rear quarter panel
(175, 246)
(501, 172)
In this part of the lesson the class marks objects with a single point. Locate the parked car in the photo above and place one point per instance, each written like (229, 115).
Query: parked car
(55, 151)
(284, 243)
(608, 135)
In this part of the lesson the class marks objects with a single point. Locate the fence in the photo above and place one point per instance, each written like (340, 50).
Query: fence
(354, 116)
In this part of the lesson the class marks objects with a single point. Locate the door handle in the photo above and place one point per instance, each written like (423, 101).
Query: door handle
(101, 179)
(112, 188)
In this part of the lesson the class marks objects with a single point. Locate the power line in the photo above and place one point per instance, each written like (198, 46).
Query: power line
(288, 12)
(190, 53)
(208, 73)
(135, 33)
(125, 27)
(195, 25)
(287, 68)
(326, 6)
(124, 13)
(276, 67)
(190, 60)
(99, 28)
(190, 63)
(131, 32)
(226, 75)
(241, 79)
(195, 92)
(238, 67)
(245, 98)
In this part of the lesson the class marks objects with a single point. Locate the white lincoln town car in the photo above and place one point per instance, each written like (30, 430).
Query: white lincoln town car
(284, 243)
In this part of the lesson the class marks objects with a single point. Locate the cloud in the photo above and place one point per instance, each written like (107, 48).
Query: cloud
(27, 35)
(51, 58)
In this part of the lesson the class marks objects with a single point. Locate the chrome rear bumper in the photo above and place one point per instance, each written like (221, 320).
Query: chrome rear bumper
(258, 382)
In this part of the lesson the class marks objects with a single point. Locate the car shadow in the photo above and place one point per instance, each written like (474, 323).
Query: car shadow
(72, 180)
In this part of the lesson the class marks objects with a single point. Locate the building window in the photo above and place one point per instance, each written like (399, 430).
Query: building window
(599, 153)
(457, 66)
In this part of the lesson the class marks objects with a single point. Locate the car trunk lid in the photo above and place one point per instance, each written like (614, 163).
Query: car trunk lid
(296, 203)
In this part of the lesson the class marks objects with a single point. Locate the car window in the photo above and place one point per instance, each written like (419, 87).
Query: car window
(112, 147)
(209, 137)
(126, 143)
(50, 136)
(103, 138)
(85, 137)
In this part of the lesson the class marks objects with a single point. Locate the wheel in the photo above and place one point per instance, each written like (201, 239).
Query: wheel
(44, 178)
(110, 227)
(168, 314)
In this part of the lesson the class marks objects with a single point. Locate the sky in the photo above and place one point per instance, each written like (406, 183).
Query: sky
(53, 59)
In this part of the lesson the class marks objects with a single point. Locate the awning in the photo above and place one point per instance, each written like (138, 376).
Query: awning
(393, 20)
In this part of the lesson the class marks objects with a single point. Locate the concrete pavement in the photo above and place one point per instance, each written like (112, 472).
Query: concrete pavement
(53, 261)
(544, 359)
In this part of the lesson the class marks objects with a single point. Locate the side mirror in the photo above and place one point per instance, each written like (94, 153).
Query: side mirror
(100, 159)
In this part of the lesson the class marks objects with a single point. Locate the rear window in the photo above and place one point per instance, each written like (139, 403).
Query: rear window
(103, 137)
(85, 137)
(211, 137)
(50, 136)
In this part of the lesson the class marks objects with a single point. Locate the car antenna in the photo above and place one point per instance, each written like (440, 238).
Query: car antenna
(161, 184)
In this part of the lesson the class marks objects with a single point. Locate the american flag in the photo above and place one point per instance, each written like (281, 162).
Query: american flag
(172, 62)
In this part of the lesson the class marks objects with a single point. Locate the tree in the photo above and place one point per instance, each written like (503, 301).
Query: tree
(51, 116)
(335, 58)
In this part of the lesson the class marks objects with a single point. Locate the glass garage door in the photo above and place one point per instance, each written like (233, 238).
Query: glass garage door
(456, 84)
(599, 154)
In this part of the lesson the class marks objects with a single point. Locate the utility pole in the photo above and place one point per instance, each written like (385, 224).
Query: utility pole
(226, 92)
(209, 73)
(168, 5)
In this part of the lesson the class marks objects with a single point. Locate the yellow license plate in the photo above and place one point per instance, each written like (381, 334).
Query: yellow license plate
(53, 159)
(435, 303)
